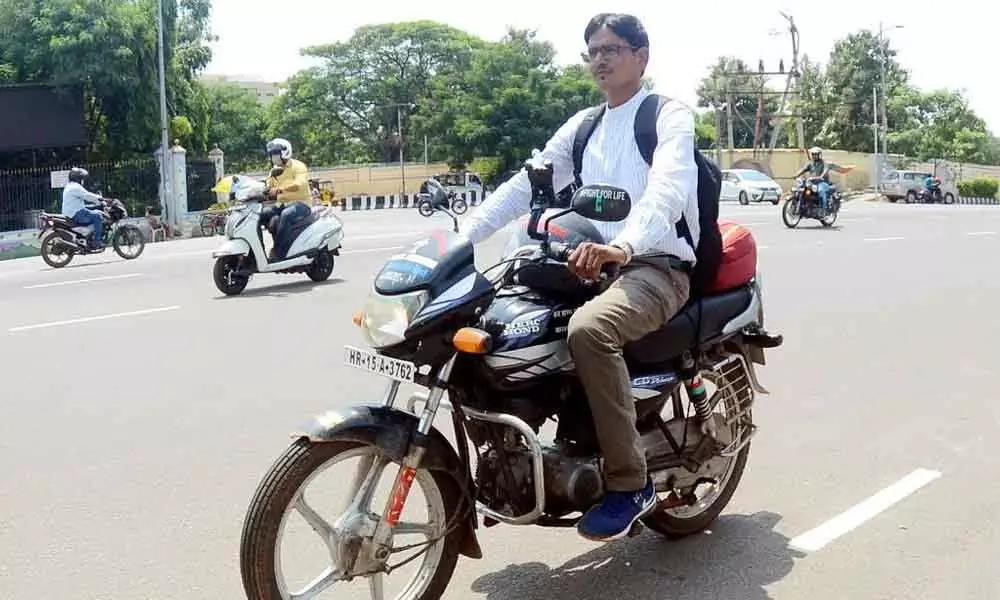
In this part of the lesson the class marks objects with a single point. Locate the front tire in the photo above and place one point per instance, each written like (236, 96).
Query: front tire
(322, 266)
(744, 199)
(788, 213)
(128, 235)
(56, 254)
(259, 545)
(227, 282)
(459, 206)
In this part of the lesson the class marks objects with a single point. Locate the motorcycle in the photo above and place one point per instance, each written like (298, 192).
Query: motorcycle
(317, 239)
(62, 238)
(804, 201)
(437, 197)
(935, 195)
(498, 348)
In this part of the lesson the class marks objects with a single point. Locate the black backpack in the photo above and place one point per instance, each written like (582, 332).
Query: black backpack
(709, 249)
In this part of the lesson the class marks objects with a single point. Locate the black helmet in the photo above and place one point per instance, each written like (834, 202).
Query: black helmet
(78, 175)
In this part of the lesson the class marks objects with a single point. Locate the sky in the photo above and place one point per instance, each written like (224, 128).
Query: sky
(943, 45)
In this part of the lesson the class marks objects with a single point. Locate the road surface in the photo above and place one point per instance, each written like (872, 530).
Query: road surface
(140, 409)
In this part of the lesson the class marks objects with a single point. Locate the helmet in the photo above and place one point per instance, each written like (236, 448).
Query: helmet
(815, 152)
(78, 175)
(279, 151)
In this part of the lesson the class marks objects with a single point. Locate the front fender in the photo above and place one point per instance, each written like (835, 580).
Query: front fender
(391, 430)
(232, 247)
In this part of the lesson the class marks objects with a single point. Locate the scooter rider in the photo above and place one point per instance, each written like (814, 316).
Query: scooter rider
(290, 188)
(75, 198)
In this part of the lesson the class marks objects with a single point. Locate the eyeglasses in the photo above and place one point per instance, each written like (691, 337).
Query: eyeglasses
(611, 51)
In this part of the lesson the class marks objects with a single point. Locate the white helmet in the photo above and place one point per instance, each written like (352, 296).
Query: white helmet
(816, 151)
(281, 148)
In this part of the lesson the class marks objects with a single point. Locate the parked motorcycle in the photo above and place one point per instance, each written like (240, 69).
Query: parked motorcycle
(498, 348)
(62, 238)
(317, 239)
(805, 202)
(436, 197)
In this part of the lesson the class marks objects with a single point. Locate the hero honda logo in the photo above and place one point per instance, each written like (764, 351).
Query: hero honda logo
(527, 324)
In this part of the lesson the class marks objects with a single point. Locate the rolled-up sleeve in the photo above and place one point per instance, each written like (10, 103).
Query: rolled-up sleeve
(672, 183)
(513, 198)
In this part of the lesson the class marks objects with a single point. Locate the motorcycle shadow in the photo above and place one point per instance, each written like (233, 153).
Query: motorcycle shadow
(740, 556)
(281, 290)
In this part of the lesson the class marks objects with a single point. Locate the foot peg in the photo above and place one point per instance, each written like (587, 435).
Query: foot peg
(763, 339)
(636, 529)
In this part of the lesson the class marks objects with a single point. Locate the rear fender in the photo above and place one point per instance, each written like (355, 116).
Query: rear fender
(391, 430)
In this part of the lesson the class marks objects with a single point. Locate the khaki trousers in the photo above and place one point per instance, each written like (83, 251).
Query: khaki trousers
(640, 301)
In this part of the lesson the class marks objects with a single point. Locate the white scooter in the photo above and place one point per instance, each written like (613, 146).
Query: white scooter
(242, 254)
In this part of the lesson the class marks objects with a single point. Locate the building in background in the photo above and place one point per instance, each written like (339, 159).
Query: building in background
(265, 91)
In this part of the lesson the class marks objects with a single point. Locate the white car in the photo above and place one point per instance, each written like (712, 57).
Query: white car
(747, 184)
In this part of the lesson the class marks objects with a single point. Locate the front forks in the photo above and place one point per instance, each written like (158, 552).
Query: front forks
(418, 446)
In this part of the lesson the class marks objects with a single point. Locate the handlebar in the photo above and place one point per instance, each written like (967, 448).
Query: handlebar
(560, 251)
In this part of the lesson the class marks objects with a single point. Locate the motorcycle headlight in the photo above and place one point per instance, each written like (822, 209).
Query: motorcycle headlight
(387, 317)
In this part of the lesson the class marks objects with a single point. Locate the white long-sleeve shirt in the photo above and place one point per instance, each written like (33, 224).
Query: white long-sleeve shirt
(75, 197)
(665, 191)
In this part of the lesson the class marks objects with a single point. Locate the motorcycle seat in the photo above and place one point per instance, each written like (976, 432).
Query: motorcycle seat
(681, 332)
(84, 230)
(57, 218)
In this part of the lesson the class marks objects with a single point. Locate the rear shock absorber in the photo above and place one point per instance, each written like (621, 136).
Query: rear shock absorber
(695, 385)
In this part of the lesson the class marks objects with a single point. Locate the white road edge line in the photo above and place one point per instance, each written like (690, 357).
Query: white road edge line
(75, 281)
(884, 239)
(817, 538)
(368, 250)
(981, 233)
(97, 318)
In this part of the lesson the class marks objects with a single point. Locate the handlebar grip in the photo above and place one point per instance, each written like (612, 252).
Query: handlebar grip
(560, 251)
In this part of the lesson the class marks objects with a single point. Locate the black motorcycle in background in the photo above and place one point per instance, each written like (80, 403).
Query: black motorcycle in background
(805, 203)
(433, 197)
(62, 238)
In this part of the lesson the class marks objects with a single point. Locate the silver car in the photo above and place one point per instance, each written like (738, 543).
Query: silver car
(748, 185)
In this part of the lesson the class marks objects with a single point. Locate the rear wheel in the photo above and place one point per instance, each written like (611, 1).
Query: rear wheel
(351, 551)
(55, 252)
(322, 266)
(744, 199)
(226, 279)
(425, 209)
(682, 519)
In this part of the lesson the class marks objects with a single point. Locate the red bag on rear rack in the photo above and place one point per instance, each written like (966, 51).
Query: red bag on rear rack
(739, 257)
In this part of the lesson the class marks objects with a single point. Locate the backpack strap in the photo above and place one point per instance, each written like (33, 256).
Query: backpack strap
(583, 133)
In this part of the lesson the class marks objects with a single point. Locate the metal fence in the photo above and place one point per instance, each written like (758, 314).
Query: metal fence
(201, 179)
(25, 193)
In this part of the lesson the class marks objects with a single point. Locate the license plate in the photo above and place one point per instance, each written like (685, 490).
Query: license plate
(393, 368)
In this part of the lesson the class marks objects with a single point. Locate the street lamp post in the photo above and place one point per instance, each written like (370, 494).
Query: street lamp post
(164, 139)
(399, 131)
(885, 92)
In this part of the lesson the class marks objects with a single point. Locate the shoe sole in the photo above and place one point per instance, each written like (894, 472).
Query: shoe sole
(624, 533)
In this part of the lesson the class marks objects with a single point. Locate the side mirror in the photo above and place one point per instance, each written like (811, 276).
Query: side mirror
(602, 203)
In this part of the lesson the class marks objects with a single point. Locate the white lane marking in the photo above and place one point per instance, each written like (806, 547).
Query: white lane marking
(981, 233)
(75, 281)
(134, 313)
(368, 250)
(884, 239)
(858, 514)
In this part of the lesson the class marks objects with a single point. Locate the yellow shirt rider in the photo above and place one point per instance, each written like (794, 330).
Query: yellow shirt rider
(291, 188)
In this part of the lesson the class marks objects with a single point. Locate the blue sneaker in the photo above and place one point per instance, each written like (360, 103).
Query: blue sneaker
(614, 515)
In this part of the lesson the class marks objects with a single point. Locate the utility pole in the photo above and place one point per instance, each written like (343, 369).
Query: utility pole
(884, 54)
(794, 78)
(877, 171)
(166, 188)
(402, 165)
(730, 100)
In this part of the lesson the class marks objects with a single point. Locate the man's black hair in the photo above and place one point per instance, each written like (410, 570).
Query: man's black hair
(627, 27)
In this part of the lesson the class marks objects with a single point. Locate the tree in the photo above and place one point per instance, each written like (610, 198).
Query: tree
(237, 123)
(110, 48)
(370, 81)
(730, 74)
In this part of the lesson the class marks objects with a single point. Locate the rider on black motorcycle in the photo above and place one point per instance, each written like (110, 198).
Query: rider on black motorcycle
(75, 200)
(290, 185)
(818, 169)
(932, 187)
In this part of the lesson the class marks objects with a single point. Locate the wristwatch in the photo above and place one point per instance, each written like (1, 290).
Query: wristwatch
(627, 249)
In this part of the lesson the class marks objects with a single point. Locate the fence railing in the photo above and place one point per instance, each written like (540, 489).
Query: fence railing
(25, 193)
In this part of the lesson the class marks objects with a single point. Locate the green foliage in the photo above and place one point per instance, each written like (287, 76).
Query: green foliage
(979, 187)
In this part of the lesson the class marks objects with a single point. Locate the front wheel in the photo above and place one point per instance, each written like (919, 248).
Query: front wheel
(128, 242)
(226, 279)
(459, 206)
(322, 266)
(55, 251)
(790, 213)
(351, 550)
(744, 199)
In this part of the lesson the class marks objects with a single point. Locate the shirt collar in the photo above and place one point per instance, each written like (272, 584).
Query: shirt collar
(632, 102)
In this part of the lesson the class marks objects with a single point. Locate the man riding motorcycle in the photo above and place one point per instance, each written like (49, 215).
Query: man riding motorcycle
(932, 187)
(818, 169)
(75, 198)
(654, 281)
(290, 186)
